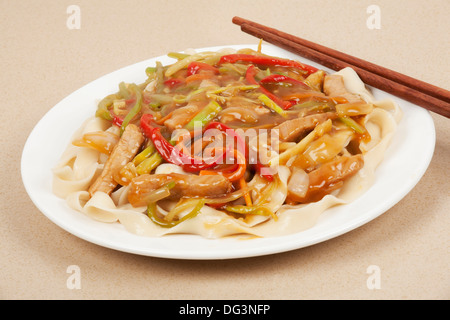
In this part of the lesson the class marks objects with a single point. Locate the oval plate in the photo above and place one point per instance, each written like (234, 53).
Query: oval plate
(406, 160)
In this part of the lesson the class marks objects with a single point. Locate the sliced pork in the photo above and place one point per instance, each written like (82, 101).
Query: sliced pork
(124, 151)
(185, 186)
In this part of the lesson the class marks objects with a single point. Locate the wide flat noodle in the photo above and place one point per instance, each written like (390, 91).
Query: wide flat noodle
(79, 166)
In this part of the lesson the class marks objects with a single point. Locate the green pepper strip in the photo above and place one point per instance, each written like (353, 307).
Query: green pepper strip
(151, 211)
(144, 154)
(259, 210)
(241, 88)
(159, 87)
(149, 164)
(272, 105)
(150, 71)
(178, 55)
(207, 114)
(134, 110)
(352, 124)
(147, 160)
(123, 90)
(310, 104)
(103, 107)
(250, 77)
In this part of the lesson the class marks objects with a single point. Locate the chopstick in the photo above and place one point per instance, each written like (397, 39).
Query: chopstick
(428, 96)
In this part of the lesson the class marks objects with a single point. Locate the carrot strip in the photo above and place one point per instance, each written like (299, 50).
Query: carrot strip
(163, 119)
(234, 175)
(248, 199)
(198, 77)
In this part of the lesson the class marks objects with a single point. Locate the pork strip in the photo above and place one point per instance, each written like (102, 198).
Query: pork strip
(181, 116)
(329, 176)
(123, 152)
(335, 171)
(334, 86)
(185, 186)
(290, 130)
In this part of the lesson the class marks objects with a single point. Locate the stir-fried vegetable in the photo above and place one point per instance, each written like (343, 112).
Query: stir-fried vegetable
(153, 215)
(283, 80)
(149, 164)
(159, 193)
(240, 145)
(183, 63)
(267, 61)
(233, 175)
(196, 66)
(104, 106)
(206, 115)
(171, 154)
(261, 210)
(272, 105)
(144, 154)
(134, 110)
(250, 77)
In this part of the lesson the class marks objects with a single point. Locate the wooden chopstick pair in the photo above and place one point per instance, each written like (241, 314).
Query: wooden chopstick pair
(428, 96)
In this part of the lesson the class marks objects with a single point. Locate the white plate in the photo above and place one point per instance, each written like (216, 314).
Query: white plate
(406, 160)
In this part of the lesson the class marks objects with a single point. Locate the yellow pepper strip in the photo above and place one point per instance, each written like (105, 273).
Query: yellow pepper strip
(264, 211)
(207, 114)
(149, 164)
(352, 124)
(272, 105)
(144, 154)
(183, 63)
(178, 55)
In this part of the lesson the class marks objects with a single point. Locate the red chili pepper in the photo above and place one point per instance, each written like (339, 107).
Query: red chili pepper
(267, 61)
(250, 77)
(241, 144)
(195, 66)
(117, 121)
(278, 78)
(172, 154)
(130, 101)
(146, 118)
(171, 83)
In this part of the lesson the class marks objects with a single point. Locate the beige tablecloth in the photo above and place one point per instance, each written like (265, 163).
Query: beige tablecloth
(48, 51)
